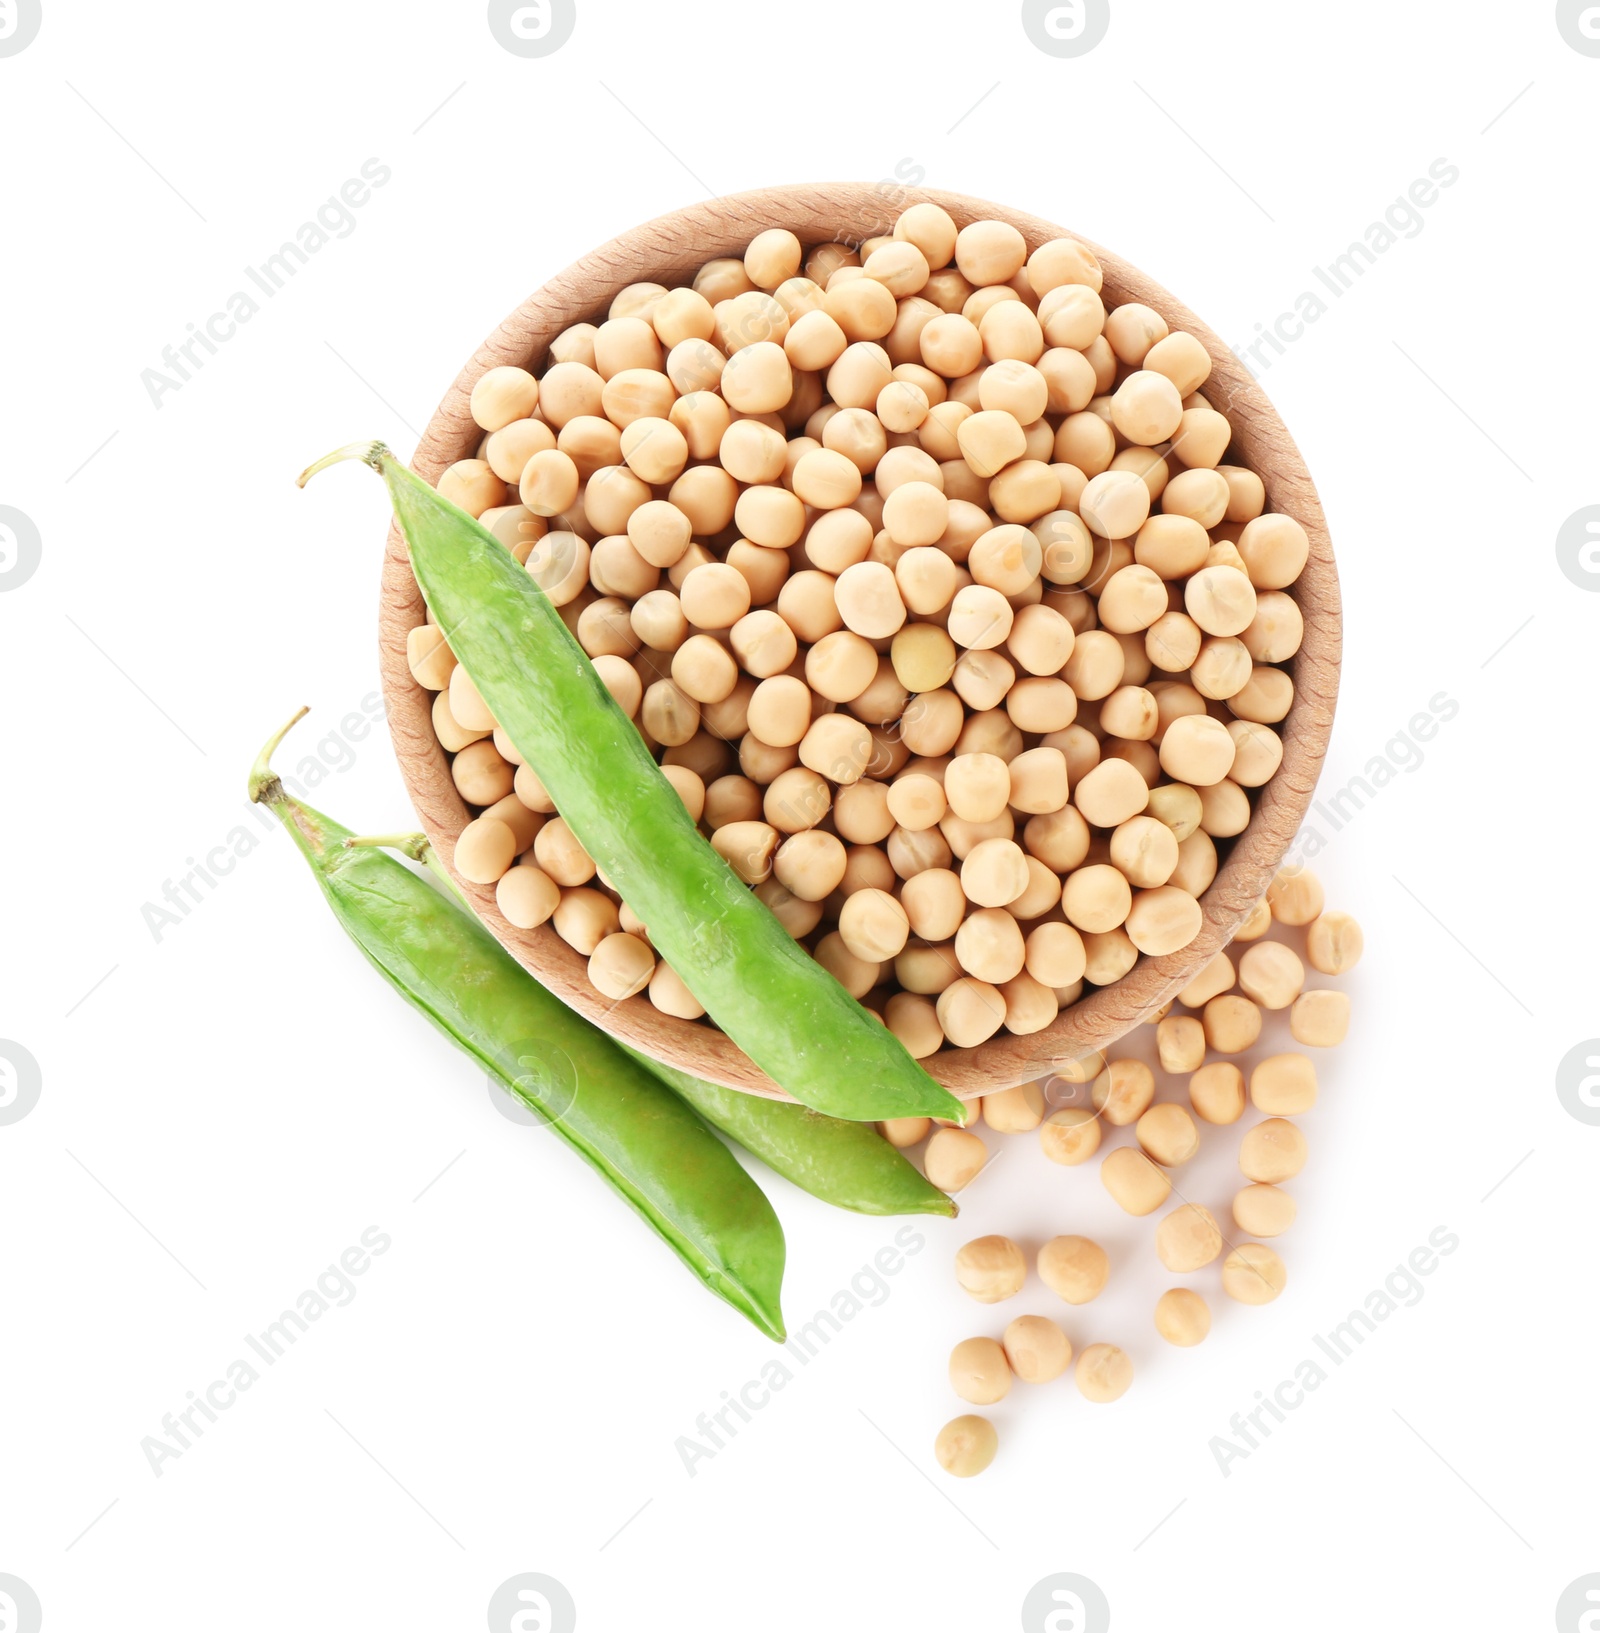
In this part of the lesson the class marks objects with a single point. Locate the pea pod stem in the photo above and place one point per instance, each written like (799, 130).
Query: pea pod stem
(414, 845)
(765, 991)
(646, 1142)
(264, 785)
(369, 453)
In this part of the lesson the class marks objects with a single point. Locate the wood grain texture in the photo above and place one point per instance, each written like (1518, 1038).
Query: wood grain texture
(669, 250)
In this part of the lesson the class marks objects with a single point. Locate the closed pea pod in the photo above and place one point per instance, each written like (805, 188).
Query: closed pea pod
(647, 1144)
(763, 989)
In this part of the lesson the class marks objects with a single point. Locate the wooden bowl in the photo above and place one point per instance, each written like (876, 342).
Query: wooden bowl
(669, 250)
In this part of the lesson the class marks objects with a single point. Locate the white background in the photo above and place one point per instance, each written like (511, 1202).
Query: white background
(227, 1108)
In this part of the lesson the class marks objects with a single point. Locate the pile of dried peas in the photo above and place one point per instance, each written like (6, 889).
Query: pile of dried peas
(1210, 1018)
(924, 576)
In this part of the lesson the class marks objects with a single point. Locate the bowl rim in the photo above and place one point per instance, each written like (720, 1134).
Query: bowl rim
(672, 246)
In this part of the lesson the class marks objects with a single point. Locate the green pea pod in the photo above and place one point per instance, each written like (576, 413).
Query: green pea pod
(787, 1013)
(644, 1141)
(848, 1164)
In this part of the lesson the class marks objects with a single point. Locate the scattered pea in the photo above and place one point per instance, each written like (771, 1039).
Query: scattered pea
(1074, 1268)
(1217, 1093)
(1321, 1018)
(955, 1157)
(989, 1268)
(1253, 1274)
(1134, 1182)
(1188, 1239)
(1070, 1136)
(1036, 1348)
(1264, 1210)
(1271, 975)
(1104, 1373)
(1122, 1093)
(1334, 943)
(1183, 1317)
(1284, 1085)
(1295, 897)
(1180, 1043)
(966, 1445)
(1232, 1024)
(1272, 1152)
(1167, 1135)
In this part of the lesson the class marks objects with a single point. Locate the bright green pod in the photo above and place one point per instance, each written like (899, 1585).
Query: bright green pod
(645, 1141)
(788, 1014)
(849, 1165)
